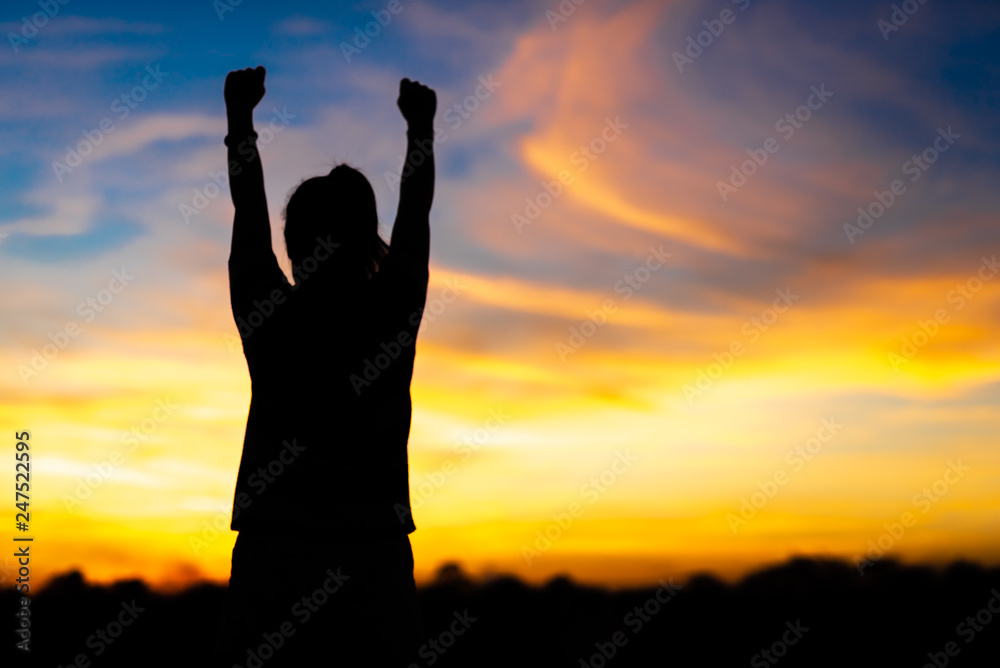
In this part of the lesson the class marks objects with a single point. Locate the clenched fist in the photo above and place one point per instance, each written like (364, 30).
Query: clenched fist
(418, 103)
(244, 88)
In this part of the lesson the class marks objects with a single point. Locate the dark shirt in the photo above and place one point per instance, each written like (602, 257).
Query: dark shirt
(330, 361)
(329, 421)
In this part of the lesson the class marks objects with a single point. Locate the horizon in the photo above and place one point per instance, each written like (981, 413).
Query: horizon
(941, 614)
(452, 571)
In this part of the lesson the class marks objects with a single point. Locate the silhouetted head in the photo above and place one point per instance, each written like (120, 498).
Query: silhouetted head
(337, 208)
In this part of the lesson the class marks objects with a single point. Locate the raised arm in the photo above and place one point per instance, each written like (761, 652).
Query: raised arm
(411, 233)
(251, 226)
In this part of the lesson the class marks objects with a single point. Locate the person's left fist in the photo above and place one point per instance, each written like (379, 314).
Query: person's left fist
(245, 88)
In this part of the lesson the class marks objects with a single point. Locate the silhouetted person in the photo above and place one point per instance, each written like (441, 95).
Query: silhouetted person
(323, 568)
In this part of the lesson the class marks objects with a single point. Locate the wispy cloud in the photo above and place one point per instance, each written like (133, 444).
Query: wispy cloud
(75, 58)
(301, 26)
(86, 25)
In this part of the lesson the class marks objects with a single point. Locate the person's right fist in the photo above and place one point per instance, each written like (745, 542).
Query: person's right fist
(244, 88)
(417, 103)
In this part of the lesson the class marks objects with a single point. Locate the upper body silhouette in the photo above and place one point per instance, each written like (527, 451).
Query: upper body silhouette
(330, 357)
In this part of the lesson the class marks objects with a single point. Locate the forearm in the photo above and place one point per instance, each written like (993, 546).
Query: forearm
(251, 228)
(416, 192)
(417, 183)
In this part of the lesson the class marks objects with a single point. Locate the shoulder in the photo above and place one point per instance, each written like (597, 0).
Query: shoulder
(258, 268)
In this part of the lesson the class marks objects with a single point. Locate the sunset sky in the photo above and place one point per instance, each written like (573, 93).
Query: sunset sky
(651, 296)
